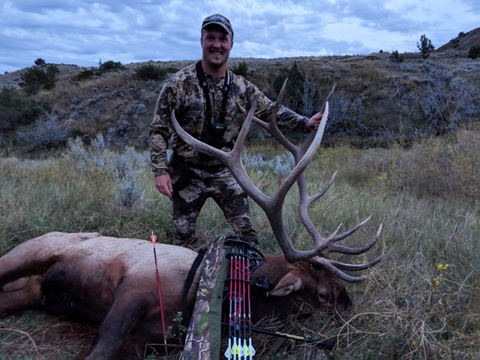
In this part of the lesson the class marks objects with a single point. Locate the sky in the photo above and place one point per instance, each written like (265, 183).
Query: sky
(85, 32)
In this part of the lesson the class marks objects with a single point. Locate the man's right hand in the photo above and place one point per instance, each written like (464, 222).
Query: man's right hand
(163, 183)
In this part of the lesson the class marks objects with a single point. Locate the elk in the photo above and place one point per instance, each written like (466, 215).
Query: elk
(111, 282)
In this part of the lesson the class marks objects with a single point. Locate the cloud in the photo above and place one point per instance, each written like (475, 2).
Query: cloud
(83, 32)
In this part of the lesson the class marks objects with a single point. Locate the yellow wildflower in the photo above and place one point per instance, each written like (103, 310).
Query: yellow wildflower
(442, 267)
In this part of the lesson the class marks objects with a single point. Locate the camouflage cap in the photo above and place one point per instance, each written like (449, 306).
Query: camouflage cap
(218, 20)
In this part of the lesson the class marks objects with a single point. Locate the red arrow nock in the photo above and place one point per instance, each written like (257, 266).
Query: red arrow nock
(153, 237)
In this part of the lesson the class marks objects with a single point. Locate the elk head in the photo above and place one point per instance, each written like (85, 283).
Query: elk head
(273, 206)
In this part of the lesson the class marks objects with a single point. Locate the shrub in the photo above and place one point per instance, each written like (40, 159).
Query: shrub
(425, 46)
(299, 91)
(51, 72)
(294, 87)
(123, 168)
(281, 165)
(395, 57)
(44, 134)
(35, 78)
(474, 52)
(83, 75)
(32, 80)
(240, 69)
(17, 111)
(9, 113)
(40, 62)
(110, 66)
(31, 110)
(153, 72)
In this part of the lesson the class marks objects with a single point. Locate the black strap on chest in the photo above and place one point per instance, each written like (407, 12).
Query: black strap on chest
(206, 92)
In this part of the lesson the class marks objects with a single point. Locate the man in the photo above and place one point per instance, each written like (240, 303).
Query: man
(205, 98)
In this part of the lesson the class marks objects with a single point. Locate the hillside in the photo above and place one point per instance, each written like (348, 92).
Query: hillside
(463, 42)
(380, 99)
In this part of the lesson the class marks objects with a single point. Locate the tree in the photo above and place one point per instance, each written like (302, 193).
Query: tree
(240, 69)
(35, 78)
(395, 58)
(294, 88)
(40, 62)
(309, 95)
(110, 66)
(474, 52)
(425, 46)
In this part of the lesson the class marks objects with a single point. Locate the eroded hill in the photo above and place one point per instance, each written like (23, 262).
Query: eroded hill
(379, 99)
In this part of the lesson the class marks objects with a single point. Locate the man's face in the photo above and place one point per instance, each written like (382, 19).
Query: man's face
(216, 45)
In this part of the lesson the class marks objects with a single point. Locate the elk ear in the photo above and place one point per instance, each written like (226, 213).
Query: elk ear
(289, 283)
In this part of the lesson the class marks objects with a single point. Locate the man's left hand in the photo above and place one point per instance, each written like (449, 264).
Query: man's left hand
(314, 121)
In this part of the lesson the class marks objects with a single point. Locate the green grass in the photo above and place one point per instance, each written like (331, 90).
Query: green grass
(413, 305)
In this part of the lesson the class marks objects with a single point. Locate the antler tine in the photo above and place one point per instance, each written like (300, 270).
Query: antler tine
(200, 146)
(307, 157)
(334, 237)
(311, 199)
(330, 265)
(353, 251)
(278, 102)
(305, 202)
(272, 126)
(357, 267)
(210, 150)
(303, 148)
(336, 267)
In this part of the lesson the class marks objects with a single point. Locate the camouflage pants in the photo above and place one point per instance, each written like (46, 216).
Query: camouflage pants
(192, 187)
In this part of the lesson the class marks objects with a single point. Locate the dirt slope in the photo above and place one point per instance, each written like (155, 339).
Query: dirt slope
(463, 42)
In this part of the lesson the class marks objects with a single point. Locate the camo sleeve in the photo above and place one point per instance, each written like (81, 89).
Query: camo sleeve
(161, 130)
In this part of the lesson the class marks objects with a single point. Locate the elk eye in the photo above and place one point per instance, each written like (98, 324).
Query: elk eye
(322, 297)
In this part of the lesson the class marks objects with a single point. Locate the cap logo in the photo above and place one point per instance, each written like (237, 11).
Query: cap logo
(216, 18)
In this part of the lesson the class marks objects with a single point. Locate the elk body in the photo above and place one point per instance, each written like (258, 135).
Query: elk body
(111, 282)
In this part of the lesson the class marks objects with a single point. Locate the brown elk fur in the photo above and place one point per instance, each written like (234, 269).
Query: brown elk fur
(112, 282)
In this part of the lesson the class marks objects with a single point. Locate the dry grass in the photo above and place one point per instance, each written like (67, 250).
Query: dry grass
(40, 336)
(421, 302)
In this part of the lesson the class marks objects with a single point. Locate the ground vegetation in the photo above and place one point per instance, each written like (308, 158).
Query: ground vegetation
(419, 303)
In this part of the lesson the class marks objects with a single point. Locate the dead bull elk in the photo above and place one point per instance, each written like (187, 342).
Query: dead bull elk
(111, 281)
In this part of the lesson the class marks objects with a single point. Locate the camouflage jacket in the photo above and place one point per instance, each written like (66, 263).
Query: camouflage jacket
(183, 93)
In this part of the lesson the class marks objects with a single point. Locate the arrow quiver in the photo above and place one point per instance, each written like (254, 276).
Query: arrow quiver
(244, 259)
(204, 332)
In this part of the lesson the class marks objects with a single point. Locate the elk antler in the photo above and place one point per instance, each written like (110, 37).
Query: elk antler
(273, 206)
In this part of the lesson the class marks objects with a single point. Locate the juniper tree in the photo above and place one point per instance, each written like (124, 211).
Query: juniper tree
(425, 46)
